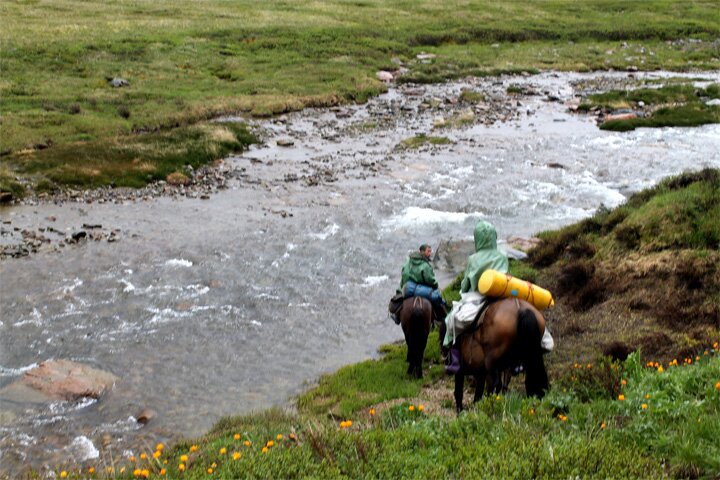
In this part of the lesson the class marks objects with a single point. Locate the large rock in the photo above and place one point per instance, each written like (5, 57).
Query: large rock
(59, 380)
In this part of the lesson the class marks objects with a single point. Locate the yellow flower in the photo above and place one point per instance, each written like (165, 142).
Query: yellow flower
(531, 411)
(236, 456)
(602, 426)
(715, 345)
(193, 448)
(162, 471)
(122, 470)
(623, 381)
(292, 436)
(132, 459)
(644, 406)
(181, 467)
(621, 397)
(421, 407)
(91, 470)
(63, 474)
(137, 472)
(236, 436)
(157, 454)
(143, 456)
(214, 465)
(264, 450)
(210, 470)
(270, 443)
(717, 386)
(223, 451)
(247, 443)
(411, 408)
(348, 423)
(660, 369)
(145, 473)
(279, 436)
(372, 411)
(498, 397)
(183, 458)
(159, 447)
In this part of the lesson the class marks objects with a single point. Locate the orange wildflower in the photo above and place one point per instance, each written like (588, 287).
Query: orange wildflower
(421, 407)
(193, 448)
(181, 467)
(162, 472)
(717, 386)
(270, 443)
(644, 406)
(223, 451)
(372, 411)
(621, 397)
(236, 436)
(279, 436)
(63, 474)
(602, 426)
(91, 470)
(143, 456)
(183, 458)
(411, 408)
(210, 470)
(247, 443)
(236, 456)
(264, 450)
(159, 447)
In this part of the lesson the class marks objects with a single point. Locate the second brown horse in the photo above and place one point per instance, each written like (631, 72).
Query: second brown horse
(510, 335)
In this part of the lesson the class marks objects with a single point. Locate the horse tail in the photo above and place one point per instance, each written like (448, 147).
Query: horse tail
(529, 337)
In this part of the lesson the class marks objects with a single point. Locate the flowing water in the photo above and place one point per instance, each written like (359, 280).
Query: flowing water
(207, 308)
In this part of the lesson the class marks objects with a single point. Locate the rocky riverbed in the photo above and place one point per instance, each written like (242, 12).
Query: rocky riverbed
(228, 294)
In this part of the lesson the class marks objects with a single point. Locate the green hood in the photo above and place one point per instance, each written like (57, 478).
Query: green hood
(485, 236)
(486, 256)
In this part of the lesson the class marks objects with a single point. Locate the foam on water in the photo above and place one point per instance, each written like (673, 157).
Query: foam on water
(13, 372)
(82, 448)
(328, 232)
(371, 281)
(418, 216)
(178, 262)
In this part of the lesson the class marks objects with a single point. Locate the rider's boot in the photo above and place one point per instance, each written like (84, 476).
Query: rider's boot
(453, 366)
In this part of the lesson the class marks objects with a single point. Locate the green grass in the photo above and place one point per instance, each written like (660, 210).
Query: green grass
(419, 140)
(138, 159)
(188, 62)
(563, 435)
(681, 105)
(375, 379)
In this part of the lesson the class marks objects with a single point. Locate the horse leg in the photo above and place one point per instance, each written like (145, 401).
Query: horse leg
(419, 353)
(459, 384)
(479, 386)
(506, 377)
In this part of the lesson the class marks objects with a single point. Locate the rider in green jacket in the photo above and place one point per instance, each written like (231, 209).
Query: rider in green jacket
(417, 269)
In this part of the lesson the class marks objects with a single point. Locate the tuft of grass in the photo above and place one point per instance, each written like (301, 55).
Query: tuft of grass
(470, 96)
(692, 115)
(419, 140)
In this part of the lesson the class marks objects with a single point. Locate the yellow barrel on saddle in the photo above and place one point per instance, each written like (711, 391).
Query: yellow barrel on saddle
(495, 284)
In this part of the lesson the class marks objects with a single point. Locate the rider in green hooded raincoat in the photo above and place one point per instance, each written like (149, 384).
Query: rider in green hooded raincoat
(486, 256)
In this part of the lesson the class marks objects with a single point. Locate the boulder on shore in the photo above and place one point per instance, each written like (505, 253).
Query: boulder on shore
(59, 380)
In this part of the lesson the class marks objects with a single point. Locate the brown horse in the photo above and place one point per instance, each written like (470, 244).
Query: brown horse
(416, 319)
(509, 335)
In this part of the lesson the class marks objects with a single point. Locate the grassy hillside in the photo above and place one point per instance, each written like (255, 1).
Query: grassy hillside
(635, 375)
(187, 62)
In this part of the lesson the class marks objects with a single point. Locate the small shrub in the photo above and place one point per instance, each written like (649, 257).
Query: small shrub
(74, 109)
(124, 111)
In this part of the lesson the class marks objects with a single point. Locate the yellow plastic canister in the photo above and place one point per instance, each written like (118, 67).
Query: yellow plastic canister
(495, 284)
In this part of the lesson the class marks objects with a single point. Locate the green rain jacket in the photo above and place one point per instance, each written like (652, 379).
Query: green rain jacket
(486, 256)
(419, 270)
